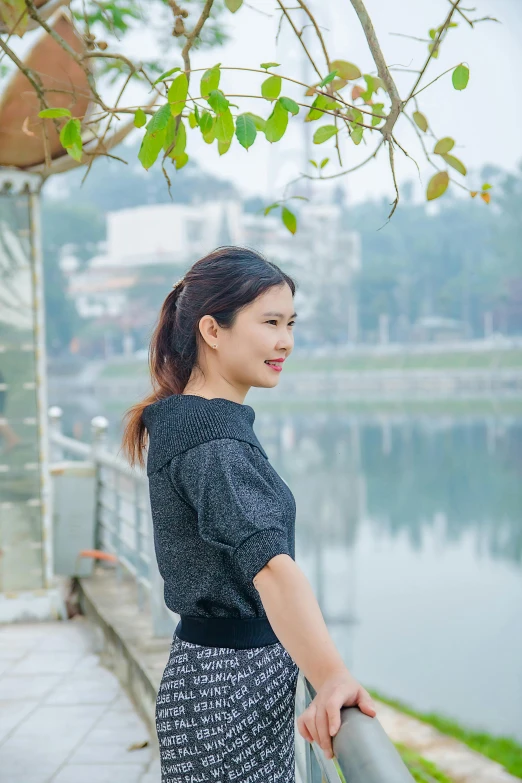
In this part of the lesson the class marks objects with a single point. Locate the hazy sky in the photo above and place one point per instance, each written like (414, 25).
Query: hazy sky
(485, 119)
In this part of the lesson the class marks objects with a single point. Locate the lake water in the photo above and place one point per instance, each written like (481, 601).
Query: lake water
(409, 528)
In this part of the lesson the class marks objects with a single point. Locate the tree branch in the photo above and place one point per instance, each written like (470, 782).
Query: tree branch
(382, 68)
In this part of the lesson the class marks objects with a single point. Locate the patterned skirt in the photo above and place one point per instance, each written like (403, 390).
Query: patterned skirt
(226, 715)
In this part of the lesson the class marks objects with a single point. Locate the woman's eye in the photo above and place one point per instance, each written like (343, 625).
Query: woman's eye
(273, 321)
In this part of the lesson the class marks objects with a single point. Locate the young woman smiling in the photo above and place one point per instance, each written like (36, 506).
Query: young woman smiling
(223, 523)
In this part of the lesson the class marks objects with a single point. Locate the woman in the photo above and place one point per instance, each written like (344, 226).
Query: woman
(223, 523)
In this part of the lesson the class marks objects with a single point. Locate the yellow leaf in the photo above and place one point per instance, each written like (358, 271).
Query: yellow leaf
(437, 185)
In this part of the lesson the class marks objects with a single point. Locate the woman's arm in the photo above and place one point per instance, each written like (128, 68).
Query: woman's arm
(297, 621)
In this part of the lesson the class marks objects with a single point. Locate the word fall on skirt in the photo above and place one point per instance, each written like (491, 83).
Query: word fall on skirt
(226, 715)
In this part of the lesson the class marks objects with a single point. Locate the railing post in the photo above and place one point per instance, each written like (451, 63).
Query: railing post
(55, 415)
(99, 428)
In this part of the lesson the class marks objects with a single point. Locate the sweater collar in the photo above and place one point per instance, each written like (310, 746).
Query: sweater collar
(182, 421)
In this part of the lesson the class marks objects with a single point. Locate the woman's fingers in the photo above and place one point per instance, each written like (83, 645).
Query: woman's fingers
(365, 703)
(323, 730)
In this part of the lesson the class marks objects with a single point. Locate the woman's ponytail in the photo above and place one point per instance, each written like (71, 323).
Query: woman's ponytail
(168, 375)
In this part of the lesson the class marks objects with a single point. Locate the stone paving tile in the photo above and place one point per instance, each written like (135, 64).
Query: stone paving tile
(39, 662)
(64, 718)
(12, 712)
(24, 687)
(153, 773)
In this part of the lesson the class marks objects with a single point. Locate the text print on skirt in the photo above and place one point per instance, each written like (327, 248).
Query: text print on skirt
(226, 715)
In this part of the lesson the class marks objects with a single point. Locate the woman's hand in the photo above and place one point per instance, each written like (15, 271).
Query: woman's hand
(322, 718)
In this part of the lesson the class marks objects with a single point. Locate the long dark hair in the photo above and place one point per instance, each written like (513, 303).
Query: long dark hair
(219, 284)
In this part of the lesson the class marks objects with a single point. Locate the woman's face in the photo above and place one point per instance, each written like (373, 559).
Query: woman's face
(263, 330)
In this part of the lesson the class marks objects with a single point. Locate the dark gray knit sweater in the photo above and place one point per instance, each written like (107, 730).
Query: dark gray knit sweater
(220, 510)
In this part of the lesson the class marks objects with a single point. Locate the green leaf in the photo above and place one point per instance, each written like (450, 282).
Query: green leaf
(51, 113)
(223, 146)
(434, 50)
(443, 146)
(377, 108)
(140, 118)
(324, 133)
(259, 122)
(271, 207)
(320, 102)
(218, 101)
(210, 81)
(210, 134)
(271, 88)
(224, 126)
(181, 160)
(180, 137)
(289, 220)
(269, 65)
(420, 120)
(313, 163)
(437, 185)
(159, 119)
(460, 77)
(205, 122)
(346, 70)
(486, 186)
(75, 151)
(233, 5)
(355, 116)
(151, 145)
(277, 123)
(357, 133)
(370, 87)
(246, 130)
(455, 163)
(327, 79)
(289, 105)
(166, 74)
(193, 120)
(177, 94)
(170, 133)
(323, 163)
(70, 134)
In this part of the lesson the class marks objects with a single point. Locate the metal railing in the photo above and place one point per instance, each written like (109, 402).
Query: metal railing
(123, 528)
(123, 520)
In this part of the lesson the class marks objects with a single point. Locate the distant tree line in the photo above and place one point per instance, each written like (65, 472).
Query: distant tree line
(461, 262)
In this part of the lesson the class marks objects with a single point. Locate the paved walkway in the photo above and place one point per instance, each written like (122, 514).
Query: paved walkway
(64, 717)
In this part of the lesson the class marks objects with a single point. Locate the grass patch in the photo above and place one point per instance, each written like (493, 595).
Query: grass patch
(422, 770)
(504, 750)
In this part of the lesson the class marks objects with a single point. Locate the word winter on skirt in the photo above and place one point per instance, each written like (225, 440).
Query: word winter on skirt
(226, 715)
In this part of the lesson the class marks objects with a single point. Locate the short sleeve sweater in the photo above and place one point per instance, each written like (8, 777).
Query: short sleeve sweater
(220, 511)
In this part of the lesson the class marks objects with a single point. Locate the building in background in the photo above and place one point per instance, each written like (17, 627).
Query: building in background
(149, 247)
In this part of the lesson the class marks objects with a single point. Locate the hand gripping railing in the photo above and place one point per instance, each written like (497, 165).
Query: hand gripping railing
(363, 752)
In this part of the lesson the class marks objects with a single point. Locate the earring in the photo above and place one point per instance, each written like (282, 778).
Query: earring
(215, 345)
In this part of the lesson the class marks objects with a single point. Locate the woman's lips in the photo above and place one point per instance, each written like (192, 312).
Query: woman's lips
(275, 367)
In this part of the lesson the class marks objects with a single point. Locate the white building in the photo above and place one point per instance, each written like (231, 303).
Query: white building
(323, 255)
